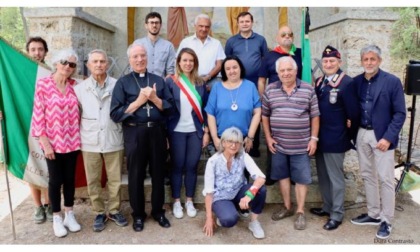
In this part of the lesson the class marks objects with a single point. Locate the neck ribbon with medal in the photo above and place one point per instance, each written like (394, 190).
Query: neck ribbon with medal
(334, 83)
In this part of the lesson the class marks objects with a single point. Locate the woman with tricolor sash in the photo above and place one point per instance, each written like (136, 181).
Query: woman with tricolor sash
(187, 129)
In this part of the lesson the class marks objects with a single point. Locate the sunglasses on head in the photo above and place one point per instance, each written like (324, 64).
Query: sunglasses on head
(283, 34)
(65, 62)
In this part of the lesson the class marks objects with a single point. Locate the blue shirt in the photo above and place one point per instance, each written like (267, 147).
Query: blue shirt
(368, 89)
(250, 51)
(220, 102)
(160, 56)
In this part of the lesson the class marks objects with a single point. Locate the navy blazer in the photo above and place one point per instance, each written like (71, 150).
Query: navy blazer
(175, 115)
(388, 109)
(334, 135)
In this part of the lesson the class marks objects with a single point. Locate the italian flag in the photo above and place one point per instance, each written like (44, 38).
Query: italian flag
(23, 155)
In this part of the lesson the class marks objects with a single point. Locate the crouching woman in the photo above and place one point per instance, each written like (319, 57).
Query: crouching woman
(226, 188)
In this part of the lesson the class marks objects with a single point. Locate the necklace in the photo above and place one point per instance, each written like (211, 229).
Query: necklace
(234, 106)
(138, 85)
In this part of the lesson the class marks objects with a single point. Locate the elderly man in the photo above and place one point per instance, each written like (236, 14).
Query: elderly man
(140, 100)
(209, 50)
(268, 72)
(337, 100)
(251, 48)
(381, 98)
(102, 140)
(161, 59)
(290, 118)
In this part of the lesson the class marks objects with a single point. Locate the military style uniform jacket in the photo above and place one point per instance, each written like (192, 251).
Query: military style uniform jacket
(338, 102)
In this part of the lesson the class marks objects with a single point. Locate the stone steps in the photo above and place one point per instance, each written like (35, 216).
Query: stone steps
(273, 193)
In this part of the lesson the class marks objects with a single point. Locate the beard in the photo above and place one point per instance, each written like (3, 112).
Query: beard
(154, 33)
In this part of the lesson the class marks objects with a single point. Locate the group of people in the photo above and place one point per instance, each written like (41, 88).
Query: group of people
(177, 101)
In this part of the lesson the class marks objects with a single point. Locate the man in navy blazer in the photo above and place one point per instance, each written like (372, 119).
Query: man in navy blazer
(383, 113)
(339, 120)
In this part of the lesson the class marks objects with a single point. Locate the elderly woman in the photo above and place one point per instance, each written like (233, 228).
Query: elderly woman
(187, 133)
(233, 102)
(225, 185)
(55, 121)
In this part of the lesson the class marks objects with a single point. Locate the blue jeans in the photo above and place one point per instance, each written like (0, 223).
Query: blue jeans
(226, 212)
(185, 155)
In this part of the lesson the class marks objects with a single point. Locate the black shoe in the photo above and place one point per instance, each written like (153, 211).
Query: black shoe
(318, 211)
(119, 219)
(163, 222)
(332, 224)
(138, 224)
(99, 223)
(365, 219)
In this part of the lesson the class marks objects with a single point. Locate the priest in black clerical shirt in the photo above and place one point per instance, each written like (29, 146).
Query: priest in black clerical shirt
(140, 101)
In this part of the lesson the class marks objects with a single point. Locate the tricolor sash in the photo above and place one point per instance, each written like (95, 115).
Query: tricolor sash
(191, 93)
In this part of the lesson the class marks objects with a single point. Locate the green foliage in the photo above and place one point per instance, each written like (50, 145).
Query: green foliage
(405, 39)
(11, 26)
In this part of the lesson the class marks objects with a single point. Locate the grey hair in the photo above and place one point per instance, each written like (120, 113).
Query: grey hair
(286, 59)
(371, 48)
(100, 51)
(64, 54)
(133, 45)
(232, 134)
(200, 16)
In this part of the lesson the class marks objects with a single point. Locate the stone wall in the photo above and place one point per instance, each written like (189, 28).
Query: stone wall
(70, 28)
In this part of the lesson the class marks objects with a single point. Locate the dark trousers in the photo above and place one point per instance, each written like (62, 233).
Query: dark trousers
(145, 146)
(225, 210)
(185, 155)
(62, 172)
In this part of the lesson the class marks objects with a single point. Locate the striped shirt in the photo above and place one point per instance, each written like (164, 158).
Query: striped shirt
(290, 116)
(56, 115)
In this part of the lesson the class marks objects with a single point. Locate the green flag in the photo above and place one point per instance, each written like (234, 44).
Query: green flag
(18, 76)
(306, 47)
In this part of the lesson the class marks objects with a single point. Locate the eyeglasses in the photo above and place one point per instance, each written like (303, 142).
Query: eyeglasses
(284, 34)
(65, 63)
(231, 143)
(154, 22)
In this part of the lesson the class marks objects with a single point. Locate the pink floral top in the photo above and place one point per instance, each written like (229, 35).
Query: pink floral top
(56, 115)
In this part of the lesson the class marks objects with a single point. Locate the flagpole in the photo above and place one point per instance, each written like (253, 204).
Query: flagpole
(7, 178)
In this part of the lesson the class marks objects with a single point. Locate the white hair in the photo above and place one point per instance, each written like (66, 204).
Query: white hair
(232, 134)
(201, 16)
(100, 51)
(64, 54)
(286, 59)
(130, 47)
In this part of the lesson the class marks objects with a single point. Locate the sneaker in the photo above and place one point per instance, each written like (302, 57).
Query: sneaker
(119, 219)
(384, 230)
(177, 210)
(99, 223)
(256, 229)
(243, 213)
(59, 229)
(282, 213)
(300, 222)
(39, 215)
(365, 219)
(48, 212)
(191, 211)
(70, 222)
